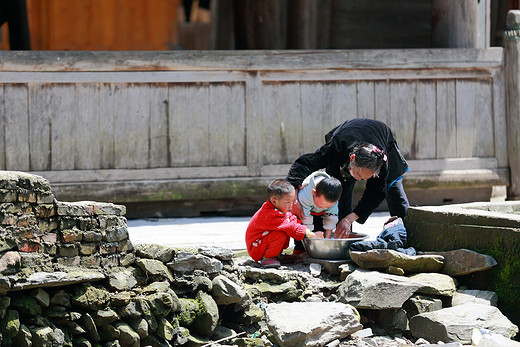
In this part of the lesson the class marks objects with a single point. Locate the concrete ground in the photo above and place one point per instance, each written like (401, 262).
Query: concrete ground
(225, 232)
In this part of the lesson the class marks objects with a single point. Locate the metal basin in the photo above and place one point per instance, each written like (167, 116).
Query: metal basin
(331, 248)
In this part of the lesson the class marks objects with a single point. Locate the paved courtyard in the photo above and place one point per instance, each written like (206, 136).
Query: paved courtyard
(225, 232)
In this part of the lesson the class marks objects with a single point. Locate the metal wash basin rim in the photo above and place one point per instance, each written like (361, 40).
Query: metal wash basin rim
(333, 249)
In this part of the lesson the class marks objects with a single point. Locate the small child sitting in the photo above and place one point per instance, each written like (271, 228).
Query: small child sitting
(319, 197)
(273, 225)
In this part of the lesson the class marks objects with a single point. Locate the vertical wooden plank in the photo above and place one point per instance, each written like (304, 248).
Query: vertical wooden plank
(108, 105)
(40, 113)
(132, 127)
(499, 118)
(346, 102)
(312, 113)
(446, 119)
(237, 127)
(484, 143)
(328, 111)
(292, 125)
(179, 125)
(365, 99)
(63, 126)
(2, 128)
(226, 124)
(402, 115)
(466, 110)
(87, 137)
(382, 101)
(16, 111)
(220, 105)
(199, 147)
(159, 125)
(425, 139)
(254, 113)
(273, 126)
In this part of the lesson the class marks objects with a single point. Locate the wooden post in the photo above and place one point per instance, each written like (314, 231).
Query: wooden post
(512, 47)
(260, 24)
(460, 24)
(301, 24)
(222, 33)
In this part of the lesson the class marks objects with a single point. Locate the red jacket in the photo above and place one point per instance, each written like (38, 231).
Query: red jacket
(269, 218)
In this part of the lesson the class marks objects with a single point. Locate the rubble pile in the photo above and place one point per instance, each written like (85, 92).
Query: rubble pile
(71, 277)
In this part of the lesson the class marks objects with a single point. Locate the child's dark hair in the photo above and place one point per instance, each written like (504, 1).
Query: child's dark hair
(369, 156)
(330, 187)
(278, 188)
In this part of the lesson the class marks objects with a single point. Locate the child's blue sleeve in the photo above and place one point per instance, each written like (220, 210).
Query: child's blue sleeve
(306, 202)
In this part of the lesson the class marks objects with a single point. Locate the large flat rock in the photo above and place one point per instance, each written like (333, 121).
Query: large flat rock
(324, 322)
(455, 324)
(55, 279)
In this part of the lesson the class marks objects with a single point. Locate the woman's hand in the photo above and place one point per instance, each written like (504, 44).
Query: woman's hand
(344, 227)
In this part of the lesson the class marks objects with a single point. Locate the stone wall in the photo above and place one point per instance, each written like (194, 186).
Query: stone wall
(87, 233)
(488, 228)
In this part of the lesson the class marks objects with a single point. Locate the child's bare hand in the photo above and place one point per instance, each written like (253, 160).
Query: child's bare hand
(297, 210)
(317, 235)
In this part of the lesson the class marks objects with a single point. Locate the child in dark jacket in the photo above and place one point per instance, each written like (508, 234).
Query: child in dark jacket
(272, 226)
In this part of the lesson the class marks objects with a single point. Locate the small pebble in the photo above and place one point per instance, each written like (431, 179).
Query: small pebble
(315, 269)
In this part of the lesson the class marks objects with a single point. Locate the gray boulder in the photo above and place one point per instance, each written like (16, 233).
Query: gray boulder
(461, 262)
(324, 322)
(154, 267)
(91, 298)
(421, 304)
(287, 291)
(127, 336)
(153, 251)
(375, 290)
(186, 262)
(46, 336)
(216, 252)
(121, 279)
(435, 283)
(384, 258)
(226, 292)
(10, 263)
(474, 296)
(496, 340)
(165, 329)
(207, 320)
(162, 303)
(455, 324)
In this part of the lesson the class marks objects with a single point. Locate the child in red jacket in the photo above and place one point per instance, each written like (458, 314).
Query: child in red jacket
(272, 226)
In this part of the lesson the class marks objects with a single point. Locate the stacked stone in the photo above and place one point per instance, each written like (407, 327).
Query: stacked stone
(164, 297)
(71, 277)
(89, 234)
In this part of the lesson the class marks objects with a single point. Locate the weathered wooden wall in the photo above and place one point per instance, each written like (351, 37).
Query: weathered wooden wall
(152, 126)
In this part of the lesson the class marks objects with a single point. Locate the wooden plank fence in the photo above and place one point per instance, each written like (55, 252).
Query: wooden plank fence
(163, 126)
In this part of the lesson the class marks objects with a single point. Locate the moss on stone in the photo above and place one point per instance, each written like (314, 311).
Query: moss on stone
(506, 282)
(189, 312)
